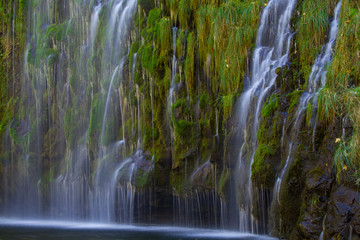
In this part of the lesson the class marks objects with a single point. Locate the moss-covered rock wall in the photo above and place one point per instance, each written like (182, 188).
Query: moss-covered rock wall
(181, 80)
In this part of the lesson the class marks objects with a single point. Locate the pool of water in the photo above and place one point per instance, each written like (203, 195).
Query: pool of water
(14, 229)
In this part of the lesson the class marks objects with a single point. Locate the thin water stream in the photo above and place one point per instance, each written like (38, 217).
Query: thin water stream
(316, 82)
(271, 52)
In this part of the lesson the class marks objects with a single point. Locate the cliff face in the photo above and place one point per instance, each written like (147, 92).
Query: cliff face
(133, 111)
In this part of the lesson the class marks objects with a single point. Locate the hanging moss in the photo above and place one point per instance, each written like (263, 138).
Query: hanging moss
(57, 32)
(224, 178)
(133, 49)
(147, 57)
(204, 101)
(190, 63)
(184, 13)
(142, 178)
(309, 112)
(150, 135)
(268, 136)
(153, 18)
(260, 169)
(96, 115)
(270, 108)
(225, 103)
(12, 46)
(294, 98)
(163, 28)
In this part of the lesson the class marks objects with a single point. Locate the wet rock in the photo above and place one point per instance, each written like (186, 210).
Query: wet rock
(342, 213)
(316, 192)
(319, 180)
(355, 221)
(202, 175)
(23, 127)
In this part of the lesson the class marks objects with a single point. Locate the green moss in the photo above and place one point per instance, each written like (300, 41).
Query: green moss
(183, 104)
(57, 32)
(164, 34)
(270, 108)
(183, 127)
(204, 101)
(96, 114)
(225, 174)
(71, 124)
(154, 16)
(177, 181)
(294, 98)
(184, 13)
(6, 108)
(267, 155)
(147, 57)
(150, 135)
(309, 112)
(225, 103)
(291, 200)
(261, 171)
(133, 49)
(142, 178)
(190, 63)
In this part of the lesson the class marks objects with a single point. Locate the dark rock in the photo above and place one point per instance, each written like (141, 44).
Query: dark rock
(202, 175)
(342, 213)
(355, 222)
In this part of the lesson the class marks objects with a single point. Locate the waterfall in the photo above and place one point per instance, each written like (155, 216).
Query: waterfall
(108, 102)
(198, 209)
(104, 195)
(106, 130)
(173, 67)
(271, 52)
(94, 24)
(72, 163)
(316, 82)
(171, 95)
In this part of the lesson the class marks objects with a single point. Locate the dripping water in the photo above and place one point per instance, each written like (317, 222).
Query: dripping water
(271, 52)
(316, 82)
(94, 25)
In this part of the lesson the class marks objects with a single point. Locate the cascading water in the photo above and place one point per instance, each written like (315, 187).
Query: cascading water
(173, 67)
(67, 175)
(316, 82)
(94, 24)
(22, 192)
(271, 52)
(171, 96)
(202, 206)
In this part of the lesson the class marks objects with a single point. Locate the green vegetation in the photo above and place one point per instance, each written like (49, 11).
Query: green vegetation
(12, 44)
(222, 31)
(268, 136)
(261, 168)
(340, 98)
(294, 98)
(313, 30)
(270, 108)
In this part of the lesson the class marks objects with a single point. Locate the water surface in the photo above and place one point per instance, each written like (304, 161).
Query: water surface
(54, 230)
